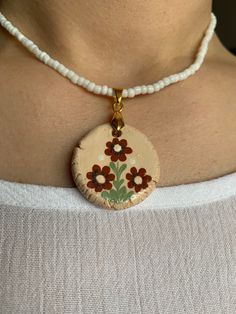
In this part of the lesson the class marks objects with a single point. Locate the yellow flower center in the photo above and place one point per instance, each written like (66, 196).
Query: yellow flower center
(100, 179)
(117, 148)
(138, 180)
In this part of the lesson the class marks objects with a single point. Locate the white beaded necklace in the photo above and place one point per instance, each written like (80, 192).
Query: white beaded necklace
(109, 186)
(105, 90)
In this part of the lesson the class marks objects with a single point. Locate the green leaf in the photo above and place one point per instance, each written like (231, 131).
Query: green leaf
(105, 195)
(118, 183)
(111, 195)
(122, 192)
(114, 195)
(113, 166)
(128, 195)
(122, 168)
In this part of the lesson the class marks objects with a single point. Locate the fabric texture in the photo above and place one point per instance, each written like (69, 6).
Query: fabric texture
(168, 255)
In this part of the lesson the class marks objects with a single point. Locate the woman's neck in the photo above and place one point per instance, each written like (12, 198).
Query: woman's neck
(129, 38)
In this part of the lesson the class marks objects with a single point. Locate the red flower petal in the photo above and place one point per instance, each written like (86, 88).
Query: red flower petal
(133, 170)
(122, 157)
(129, 176)
(98, 188)
(144, 185)
(110, 177)
(137, 188)
(142, 172)
(130, 184)
(123, 142)
(108, 151)
(115, 141)
(89, 175)
(90, 184)
(108, 144)
(128, 150)
(147, 178)
(107, 185)
(96, 168)
(105, 170)
(114, 157)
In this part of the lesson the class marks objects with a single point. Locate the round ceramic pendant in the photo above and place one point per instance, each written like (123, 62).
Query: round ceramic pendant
(115, 172)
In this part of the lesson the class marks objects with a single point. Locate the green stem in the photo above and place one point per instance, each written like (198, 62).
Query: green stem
(117, 171)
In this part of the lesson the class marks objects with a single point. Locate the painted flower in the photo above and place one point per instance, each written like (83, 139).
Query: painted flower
(138, 179)
(117, 149)
(100, 178)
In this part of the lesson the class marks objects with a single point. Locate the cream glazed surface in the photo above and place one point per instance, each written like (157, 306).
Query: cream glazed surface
(115, 172)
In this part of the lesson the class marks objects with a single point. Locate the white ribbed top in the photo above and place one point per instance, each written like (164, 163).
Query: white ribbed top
(173, 253)
(51, 197)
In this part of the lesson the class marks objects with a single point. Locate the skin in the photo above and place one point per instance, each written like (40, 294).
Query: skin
(192, 124)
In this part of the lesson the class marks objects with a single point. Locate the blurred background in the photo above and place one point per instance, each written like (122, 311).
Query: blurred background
(225, 11)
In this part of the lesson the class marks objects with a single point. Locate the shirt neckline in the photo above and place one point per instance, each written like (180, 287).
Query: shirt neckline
(69, 198)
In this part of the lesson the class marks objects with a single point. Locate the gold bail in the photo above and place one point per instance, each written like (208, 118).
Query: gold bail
(117, 121)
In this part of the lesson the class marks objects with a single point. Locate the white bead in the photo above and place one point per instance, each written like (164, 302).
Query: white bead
(91, 86)
(14, 30)
(191, 71)
(197, 66)
(46, 58)
(150, 89)
(161, 84)
(204, 42)
(38, 53)
(69, 74)
(2, 18)
(209, 33)
(7, 24)
(97, 89)
(62, 69)
(55, 64)
(19, 36)
(10, 28)
(50, 62)
(104, 90)
(166, 81)
(125, 93)
(137, 90)
(41, 55)
(181, 76)
(85, 83)
(32, 47)
(131, 92)
(110, 91)
(74, 78)
(144, 89)
(199, 60)
(80, 81)
(193, 67)
(24, 41)
(188, 72)
(4, 22)
(201, 54)
(173, 78)
(29, 43)
(156, 87)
